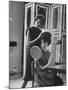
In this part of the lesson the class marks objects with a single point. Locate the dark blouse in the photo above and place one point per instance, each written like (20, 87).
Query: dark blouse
(44, 59)
(46, 77)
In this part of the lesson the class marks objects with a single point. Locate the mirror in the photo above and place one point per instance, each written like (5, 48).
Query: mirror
(35, 52)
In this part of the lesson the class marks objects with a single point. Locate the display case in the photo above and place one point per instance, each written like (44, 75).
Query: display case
(54, 17)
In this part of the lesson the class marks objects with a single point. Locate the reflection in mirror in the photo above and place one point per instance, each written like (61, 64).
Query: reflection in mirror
(55, 18)
(42, 11)
(28, 17)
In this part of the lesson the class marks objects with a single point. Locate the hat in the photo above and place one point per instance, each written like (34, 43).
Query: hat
(34, 33)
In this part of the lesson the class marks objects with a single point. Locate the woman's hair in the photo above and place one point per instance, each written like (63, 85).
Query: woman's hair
(46, 37)
(42, 19)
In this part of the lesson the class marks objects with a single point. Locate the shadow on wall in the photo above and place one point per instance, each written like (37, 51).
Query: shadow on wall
(16, 25)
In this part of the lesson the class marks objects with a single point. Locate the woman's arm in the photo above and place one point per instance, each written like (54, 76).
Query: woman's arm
(45, 66)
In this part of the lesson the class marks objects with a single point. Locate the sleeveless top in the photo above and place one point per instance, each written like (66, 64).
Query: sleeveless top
(44, 59)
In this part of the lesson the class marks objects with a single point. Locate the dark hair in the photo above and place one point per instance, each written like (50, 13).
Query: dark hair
(42, 19)
(46, 37)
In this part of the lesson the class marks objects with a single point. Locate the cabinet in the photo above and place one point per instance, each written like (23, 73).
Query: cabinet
(32, 10)
(54, 18)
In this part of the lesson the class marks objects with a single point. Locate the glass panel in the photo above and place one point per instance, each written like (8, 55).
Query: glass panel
(42, 11)
(55, 18)
(53, 51)
(64, 50)
(28, 17)
(65, 18)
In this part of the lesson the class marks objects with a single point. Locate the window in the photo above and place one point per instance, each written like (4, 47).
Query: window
(29, 17)
(55, 18)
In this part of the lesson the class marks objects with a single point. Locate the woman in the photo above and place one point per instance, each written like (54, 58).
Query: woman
(33, 34)
(46, 77)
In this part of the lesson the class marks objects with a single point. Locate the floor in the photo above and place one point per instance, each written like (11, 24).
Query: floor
(13, 84)
(18, 83)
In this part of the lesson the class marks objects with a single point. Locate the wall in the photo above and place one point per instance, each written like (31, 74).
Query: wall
(16, 28)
